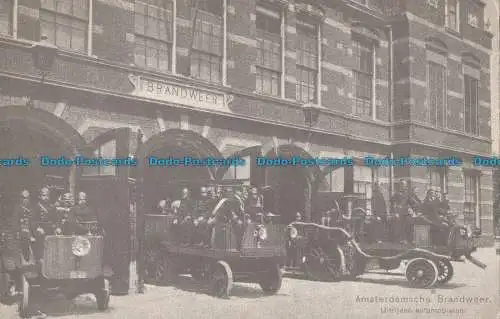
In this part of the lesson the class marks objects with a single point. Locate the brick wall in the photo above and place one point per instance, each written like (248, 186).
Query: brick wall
(113, 31)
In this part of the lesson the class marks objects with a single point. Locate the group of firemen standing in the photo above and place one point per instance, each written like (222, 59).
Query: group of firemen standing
(28, 221)
(195, 217)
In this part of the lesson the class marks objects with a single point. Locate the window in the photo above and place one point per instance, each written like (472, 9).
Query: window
(65, 23)
(471, 104)
(363, 73)
(206, 55)
(471, 207)
(437, 179)
(6, 17)
(433, 3)
(106, 150)
(452, 14)
(268, 68)
(153, 34)
(333, 181)
(436, 93)
(363, 182)
(307, 62)
(473, 16)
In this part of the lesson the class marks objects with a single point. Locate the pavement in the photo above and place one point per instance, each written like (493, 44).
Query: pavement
(472, 293)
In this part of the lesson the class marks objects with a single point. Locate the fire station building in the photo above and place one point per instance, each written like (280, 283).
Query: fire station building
(247, 78)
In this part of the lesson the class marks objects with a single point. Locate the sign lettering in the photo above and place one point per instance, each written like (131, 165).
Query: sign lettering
(180, 94)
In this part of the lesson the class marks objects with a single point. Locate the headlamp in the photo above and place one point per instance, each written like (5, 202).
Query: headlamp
(292, 231)
(81, 246)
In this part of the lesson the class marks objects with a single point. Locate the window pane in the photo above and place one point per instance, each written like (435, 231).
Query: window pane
(5, 17)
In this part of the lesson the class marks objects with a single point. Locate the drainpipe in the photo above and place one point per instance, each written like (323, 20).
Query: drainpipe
(391, 104)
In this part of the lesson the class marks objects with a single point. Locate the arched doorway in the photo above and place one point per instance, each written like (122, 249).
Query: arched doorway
(294, 186)
(162, 182)
(33, 133)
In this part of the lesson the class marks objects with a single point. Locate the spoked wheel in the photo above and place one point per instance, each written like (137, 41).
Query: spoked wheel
(445, 271)
(270, 281)
(322, 266)
(24, 302)
(421, 273)
(102, 295)
(222, 279)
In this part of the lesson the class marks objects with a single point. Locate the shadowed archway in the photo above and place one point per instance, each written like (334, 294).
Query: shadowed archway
(294, 186)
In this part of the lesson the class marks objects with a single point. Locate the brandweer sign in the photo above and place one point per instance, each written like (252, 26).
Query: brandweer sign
(179, 94)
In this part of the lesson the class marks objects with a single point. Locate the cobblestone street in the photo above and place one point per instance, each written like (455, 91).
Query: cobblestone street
(299, 299)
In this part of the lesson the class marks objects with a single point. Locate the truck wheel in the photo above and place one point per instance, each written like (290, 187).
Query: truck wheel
(421, 273)
(445, 269)
(222, 279)
(24, 302)
(102, 296)
(270, 281)
(322, 266)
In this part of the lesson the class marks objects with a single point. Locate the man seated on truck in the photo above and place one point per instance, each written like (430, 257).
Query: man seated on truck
(186, 210)
(203, 207)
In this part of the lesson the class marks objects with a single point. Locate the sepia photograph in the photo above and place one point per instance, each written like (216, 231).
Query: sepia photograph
(249, 159)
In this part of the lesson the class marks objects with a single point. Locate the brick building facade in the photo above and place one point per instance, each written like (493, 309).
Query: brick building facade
(224, 77)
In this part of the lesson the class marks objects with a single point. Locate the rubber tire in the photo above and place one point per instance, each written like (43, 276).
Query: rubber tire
(327, 274)
(24, 302)
(425, 265)
(271, 281)
(441, 264)
(103, 295)
(222, 280)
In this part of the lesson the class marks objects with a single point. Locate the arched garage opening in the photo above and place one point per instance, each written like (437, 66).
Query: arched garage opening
(294, 186)
(160, 182)
(32, 133)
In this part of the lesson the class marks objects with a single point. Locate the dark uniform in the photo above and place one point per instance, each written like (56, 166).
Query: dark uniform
(254, 205)
(186, 210)
(378, 230)
(203, 210)
(43, 222)
(84, 214)
(400, 223)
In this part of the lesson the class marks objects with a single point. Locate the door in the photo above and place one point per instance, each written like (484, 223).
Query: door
(108, 193)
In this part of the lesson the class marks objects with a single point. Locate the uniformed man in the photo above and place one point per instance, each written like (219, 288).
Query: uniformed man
(162, 207)
(400, 226)
(65, 214)
(326, 219)
(43, 212)
(83, 213)
(204, 207)
(186, 210)
(379, 209)
(23, 213)
(254, 204)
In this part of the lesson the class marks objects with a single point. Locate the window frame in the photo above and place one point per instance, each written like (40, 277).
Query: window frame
(367, 45)
(475, 178)
(469, 129)
(263, 36)
(456, 21)
(221, 57)
(304, 69)
(157, 40)
(87, 22)
(442, 108)
(11, 18)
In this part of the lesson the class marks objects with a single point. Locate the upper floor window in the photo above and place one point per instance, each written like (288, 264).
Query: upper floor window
(65, 23)
(473, 15)
(6, 17)
(452, 12)
(307, 62)
(436, 93)
(153, 34)
(364, 71)
(471, 104)
(433, 3)
(268, 68)
(206, 53)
